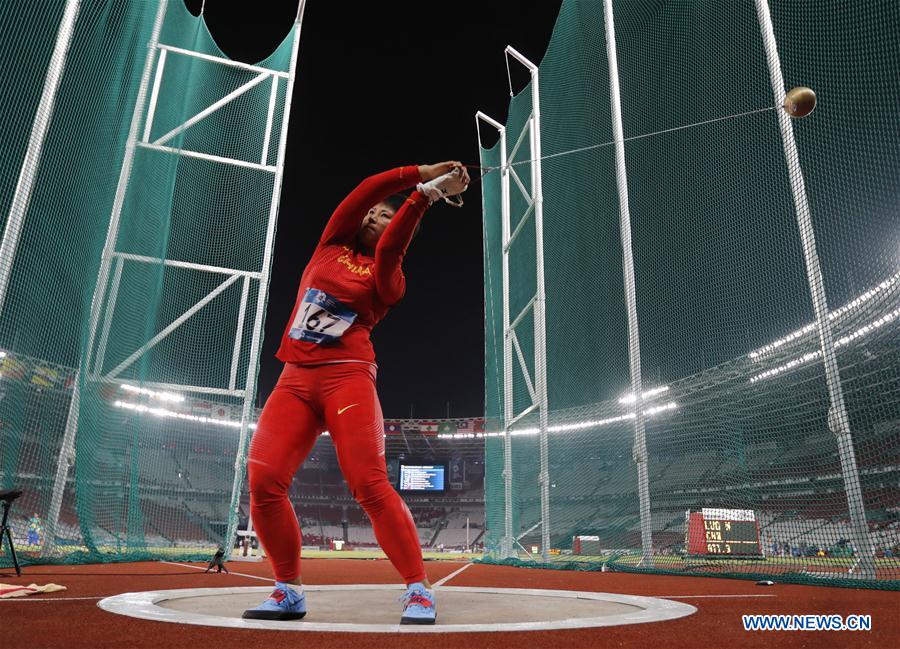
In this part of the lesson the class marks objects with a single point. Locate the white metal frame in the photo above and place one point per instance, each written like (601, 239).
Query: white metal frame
(506, 544)
(639, 451)
(537, 387)
(240, 462)
(838, 418)
(113, 260)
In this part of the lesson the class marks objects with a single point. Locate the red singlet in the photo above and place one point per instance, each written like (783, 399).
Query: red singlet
(345, 292)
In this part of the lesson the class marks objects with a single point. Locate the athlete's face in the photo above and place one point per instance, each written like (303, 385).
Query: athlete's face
(373, 225)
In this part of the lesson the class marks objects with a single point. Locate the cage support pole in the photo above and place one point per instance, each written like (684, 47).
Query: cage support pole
(67, 449)
(240, 462)
(838, 418)
(28, 173)
(540, 301)
(507, 542)
(634, 344)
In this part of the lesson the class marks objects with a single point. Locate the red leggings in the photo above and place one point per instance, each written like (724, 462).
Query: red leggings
(306, 400)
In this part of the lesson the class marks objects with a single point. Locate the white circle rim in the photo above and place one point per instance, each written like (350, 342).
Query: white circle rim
(145, 605)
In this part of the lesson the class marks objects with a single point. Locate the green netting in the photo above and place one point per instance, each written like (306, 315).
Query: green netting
(83, 328)
(736, 400)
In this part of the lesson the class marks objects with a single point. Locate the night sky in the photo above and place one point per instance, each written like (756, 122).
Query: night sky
(379, 85)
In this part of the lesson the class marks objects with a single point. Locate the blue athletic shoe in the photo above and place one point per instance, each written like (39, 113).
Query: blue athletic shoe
(283, 604)
(418, 605)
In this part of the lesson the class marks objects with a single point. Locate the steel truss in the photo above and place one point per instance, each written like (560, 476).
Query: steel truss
(113, 261)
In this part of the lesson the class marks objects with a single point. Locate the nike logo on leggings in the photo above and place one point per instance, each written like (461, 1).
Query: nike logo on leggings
(345, 408)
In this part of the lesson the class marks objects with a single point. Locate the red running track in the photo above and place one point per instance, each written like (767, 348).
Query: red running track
(60, 620)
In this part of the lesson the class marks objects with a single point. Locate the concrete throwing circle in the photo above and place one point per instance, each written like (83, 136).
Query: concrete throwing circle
(374, 608)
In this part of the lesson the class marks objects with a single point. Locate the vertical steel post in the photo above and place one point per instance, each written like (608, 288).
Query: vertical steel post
(508, 536)
(67, 449)
(239, 334)
(540, 331)
(508, 542)
(838, 418)
(273, 95)
(154, 94)
(634, 345)
(240, 462)
(28, 174)
(95, 367)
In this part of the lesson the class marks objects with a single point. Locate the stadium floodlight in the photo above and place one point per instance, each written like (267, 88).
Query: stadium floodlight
(165, 412)
(855, 303)
(649, 412)
(652, 392)
(579, 425)
(669, 406)
(840, 342)
(869, 328)
(153, 394)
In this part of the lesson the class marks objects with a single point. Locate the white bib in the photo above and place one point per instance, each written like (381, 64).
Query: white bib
(320, 318)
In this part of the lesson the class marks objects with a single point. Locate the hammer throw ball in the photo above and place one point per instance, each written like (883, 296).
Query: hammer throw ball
(799, 101)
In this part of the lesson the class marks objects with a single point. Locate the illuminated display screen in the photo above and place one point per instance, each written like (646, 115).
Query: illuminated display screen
(422, 477)
(723, 532)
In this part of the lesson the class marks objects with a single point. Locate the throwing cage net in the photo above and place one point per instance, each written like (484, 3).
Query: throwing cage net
(139, 190)
(693, 300)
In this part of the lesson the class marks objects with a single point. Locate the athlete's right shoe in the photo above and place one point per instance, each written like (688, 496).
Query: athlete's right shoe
(418, 605)
(283, 604)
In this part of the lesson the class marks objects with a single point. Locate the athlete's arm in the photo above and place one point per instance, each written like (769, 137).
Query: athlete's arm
(345, 222)
(389, 280)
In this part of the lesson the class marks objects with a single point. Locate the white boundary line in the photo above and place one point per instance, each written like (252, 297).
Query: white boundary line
(702, 596)
(230, 572)
(46, 599)
(73, 599)
(145, 606)
(443, 581)
(243, 574)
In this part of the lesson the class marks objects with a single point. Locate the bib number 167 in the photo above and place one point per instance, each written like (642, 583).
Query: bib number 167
(321, 318)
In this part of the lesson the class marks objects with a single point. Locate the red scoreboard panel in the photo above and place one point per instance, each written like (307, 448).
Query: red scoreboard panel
(587, 546)
(713, 532)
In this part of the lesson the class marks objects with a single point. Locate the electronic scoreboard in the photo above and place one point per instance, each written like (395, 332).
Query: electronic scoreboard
(731, 533)
(422, 478)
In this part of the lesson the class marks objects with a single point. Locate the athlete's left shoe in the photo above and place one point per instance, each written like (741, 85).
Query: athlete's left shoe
(418, 605)
(283, 604)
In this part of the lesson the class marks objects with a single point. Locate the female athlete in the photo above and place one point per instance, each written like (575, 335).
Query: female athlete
(353, 279)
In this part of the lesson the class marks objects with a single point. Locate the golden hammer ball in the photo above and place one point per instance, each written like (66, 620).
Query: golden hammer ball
(799, 101)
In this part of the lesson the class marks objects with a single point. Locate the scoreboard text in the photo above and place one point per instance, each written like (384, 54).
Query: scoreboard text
(723, 532)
